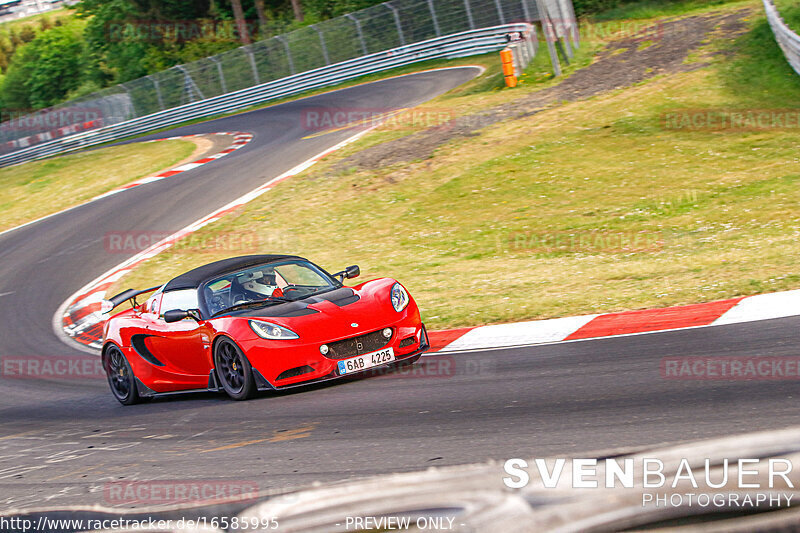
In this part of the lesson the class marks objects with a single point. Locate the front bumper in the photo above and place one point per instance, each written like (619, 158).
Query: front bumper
(324, 369)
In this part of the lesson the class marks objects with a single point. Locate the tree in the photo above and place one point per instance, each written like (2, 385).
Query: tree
(241, 23)
(114, 47)
(262, 18)
(42, 72)
(298, 10)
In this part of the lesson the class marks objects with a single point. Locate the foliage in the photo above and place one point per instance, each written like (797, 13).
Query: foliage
(42, 72)
(790, 11)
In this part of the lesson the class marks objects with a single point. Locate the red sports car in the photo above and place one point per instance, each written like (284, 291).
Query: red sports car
(259, 322)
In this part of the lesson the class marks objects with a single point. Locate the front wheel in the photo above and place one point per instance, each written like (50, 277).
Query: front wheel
(120, 377)
(233, 370)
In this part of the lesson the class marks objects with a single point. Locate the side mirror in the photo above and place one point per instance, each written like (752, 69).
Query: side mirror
(176, 315)
(352, 272)
(348, 273)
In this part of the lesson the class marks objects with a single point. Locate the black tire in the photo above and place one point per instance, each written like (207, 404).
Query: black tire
(233, 370)
(120, 376)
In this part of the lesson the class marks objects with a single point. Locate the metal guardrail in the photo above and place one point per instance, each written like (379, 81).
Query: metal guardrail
(788, 40)
(451, 46)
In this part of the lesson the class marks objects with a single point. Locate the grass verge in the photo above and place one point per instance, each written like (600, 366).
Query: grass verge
(595, 206)
(39, 188)
(790, 11)
(649, 9)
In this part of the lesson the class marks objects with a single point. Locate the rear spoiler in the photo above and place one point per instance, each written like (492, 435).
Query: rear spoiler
(130, 294)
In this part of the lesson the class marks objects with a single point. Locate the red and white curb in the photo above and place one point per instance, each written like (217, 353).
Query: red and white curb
(80, 317)
(733, 311)
(240, 139)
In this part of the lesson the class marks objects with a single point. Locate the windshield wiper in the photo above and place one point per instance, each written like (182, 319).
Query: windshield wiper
(255, 303)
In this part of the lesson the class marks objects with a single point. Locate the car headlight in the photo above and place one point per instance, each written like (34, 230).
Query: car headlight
(266, 330)
(399, 297)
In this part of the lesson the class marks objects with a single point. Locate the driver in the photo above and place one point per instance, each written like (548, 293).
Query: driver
(258, 285)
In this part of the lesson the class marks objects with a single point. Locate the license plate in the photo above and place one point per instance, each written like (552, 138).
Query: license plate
(368, 360)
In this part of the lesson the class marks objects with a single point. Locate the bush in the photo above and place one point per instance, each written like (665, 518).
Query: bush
(44, 71)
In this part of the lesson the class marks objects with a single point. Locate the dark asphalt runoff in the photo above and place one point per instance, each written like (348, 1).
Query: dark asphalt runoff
(63, 442)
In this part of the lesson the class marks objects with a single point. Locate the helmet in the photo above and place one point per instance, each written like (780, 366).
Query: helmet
(258, 282)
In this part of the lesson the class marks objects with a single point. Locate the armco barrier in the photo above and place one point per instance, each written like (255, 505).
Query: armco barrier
(788, 40)
(461, 44)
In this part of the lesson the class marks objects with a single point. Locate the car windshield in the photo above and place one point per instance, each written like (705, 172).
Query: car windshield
(271, 283)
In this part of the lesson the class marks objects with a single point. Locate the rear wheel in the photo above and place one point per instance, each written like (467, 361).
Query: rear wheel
(120, 377)
(233, 370)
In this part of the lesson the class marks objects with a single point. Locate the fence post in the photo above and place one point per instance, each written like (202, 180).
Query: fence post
(158, 92)
(222, 84)
(576, 37)
(566, 49)
(526, 11)
(108, 109)
(544, 20)
(468, 9)
(249, 52)
(285, 42)
(189, 86)
(533, 42)
(397, 23)
(359, 32)
(322, 43)
(560, 46)
(130, 99)
(434, 19)
(500, 14)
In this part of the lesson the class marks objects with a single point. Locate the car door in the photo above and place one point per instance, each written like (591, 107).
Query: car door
(184, 346)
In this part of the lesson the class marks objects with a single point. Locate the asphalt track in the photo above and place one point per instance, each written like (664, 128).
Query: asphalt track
(61, 442)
